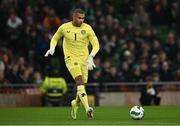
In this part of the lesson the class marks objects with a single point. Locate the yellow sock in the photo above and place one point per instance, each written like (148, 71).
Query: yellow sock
(83, 96)
(77, 99)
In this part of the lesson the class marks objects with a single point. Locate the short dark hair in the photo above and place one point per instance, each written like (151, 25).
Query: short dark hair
(78, 10)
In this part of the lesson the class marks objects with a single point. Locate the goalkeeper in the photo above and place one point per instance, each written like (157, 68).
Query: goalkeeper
(76, 37)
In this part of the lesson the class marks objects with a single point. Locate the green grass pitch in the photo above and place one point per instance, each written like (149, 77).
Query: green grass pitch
(162, 115)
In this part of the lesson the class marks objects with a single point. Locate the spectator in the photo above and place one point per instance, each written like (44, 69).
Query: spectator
(106, 71)
(141, 17)
(125, 72)
(37, 78)
(177, 75)
(2, 66)
(24, 77)
(144, 68)
(162, 56)
(114, 75)
(53, 89)
(170, 46)
(155, 64)
(156, 47)
(174, 17)
(158, 16)
(14, 22)
(149, 94)
(136, 75)
(51, 21)
(31, 73)
(155, 77)
(176, 61)
(2, 77)
(14, 29)
(22, 63)
(165, 72)
(13, 75)
(29, 16)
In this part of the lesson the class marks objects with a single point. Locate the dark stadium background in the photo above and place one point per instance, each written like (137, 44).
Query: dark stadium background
(138, 39)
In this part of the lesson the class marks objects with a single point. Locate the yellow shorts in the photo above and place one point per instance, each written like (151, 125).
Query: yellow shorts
(77, 68)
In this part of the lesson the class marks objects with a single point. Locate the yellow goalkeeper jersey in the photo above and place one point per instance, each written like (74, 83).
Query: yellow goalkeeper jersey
(76, 40)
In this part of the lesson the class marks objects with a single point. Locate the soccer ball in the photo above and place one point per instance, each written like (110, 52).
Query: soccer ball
(137, 112)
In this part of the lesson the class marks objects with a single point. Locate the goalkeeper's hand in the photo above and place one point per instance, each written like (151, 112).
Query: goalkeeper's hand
(91, 64)
(49, 52)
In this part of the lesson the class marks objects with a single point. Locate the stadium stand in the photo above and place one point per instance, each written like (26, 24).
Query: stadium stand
(138, 38)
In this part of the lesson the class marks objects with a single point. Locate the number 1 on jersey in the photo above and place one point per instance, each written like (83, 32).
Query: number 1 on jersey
(75, 36)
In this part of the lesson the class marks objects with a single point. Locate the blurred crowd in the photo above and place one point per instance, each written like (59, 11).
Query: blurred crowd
(138, 38)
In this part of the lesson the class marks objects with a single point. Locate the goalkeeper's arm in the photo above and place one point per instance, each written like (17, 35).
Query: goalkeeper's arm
(54, 42)
(95, 48)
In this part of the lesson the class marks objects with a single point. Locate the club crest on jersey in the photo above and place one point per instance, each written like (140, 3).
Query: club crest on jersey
(83, 32)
